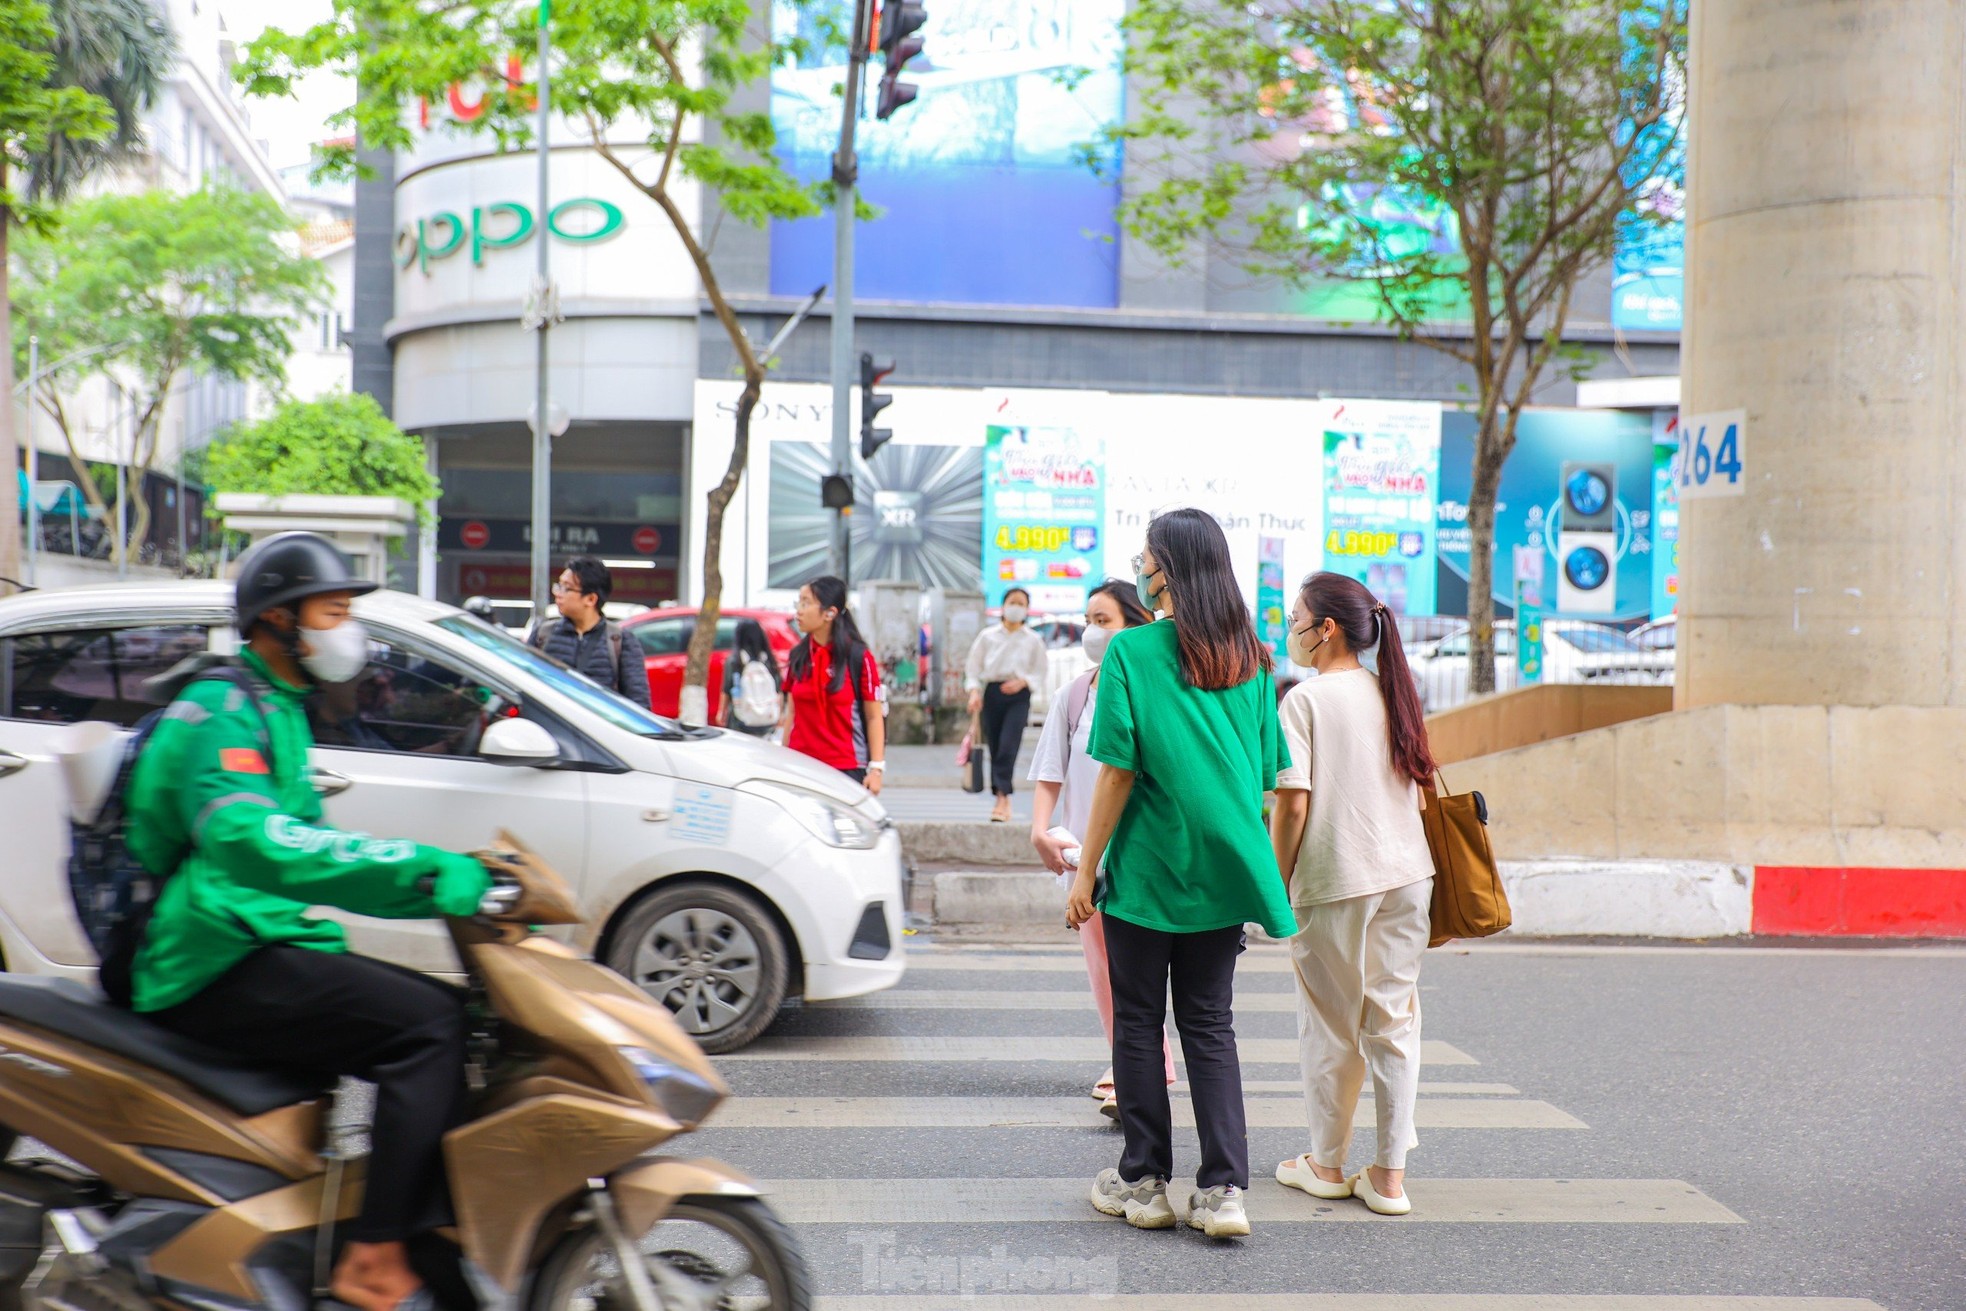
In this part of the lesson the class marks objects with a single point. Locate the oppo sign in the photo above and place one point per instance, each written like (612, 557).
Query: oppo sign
(583, 221)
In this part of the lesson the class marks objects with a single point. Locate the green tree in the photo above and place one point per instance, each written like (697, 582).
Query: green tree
(664, 72)
(118, 50)
(339, 445)
(32, 110)
(164, 285)
(1283, 131)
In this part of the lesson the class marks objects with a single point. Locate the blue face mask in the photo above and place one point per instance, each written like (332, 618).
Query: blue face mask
(1144, 584)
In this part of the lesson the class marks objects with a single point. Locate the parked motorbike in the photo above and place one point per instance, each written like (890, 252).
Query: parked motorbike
(212, 1184)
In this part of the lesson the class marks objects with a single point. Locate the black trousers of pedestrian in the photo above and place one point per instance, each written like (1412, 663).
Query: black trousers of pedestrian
(1004, 717)
(1141, 963)
(350, 1015)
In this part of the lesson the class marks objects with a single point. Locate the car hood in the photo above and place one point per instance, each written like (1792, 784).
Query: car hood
(725, 759)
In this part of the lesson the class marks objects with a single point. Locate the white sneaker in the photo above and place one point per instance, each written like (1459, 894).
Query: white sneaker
(1363, 1190)
(1144, 1204)
(1297, 1173)
(1218, 1212)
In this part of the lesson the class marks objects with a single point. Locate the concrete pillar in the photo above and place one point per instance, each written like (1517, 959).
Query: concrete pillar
(1826, 270)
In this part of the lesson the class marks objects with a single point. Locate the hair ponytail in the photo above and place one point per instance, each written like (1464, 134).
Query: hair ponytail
(1366, 621)
(848, 648)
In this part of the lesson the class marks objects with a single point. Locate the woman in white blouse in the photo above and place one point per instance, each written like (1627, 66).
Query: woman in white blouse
(1065, 773)
(1349, 841)
(1005, 664)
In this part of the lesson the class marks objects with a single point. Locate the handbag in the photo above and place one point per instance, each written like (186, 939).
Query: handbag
(969, 758)
(1468, 898)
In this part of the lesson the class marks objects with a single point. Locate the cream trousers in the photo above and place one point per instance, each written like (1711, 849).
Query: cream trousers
(1358, 1010)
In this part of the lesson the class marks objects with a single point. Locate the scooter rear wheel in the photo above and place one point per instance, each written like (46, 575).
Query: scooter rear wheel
(706, 1254)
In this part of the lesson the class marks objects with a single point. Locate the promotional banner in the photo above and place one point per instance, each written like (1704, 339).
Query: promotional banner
(1382, 462)
(1272, 615)
(1665, 514)
(1534, 505)
(1044, 515)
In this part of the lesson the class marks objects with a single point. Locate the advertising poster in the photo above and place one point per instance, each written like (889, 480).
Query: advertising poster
(1530, 506)
(1382, 463)
(917, 515)
(1665, 515)
(1044, 515)
(1648, 264)
(1272, 615)
(985, 168)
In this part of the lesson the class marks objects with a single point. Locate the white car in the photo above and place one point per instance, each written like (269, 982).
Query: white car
(1573, 652)
(1659, 635)
(720, 873)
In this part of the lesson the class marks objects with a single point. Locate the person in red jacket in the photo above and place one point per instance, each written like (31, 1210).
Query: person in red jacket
(834, 704)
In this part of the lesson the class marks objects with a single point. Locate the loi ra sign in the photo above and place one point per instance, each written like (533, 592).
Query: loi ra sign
(582, 221)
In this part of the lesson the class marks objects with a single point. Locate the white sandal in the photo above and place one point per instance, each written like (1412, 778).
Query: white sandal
(1297, 1173)
(1361, 1185)
(1102, 1088)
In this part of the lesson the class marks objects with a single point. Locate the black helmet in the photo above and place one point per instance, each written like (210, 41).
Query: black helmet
(286, 569)
(482, 607)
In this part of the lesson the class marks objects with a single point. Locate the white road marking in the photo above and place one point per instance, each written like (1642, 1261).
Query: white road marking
(1083, 1113)
(1255, 1051)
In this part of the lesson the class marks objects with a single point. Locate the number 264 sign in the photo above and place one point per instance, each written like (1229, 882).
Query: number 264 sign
(1712, 457)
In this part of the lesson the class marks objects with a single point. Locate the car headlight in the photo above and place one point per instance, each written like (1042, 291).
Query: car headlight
(684, 1097)
(832, 822)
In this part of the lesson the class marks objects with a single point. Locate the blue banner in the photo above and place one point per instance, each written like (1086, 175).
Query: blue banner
(1044, 516)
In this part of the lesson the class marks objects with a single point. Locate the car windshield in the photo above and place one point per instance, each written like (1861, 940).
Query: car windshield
(1597, 641)
(616, 710)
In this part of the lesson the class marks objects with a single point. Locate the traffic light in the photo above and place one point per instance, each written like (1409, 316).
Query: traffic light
(872, 403)
(899, 21)
(836, 492)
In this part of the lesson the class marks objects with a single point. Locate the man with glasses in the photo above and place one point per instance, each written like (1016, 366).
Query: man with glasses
(587, 642)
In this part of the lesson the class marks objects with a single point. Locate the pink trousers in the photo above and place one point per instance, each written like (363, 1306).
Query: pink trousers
(1092, 937)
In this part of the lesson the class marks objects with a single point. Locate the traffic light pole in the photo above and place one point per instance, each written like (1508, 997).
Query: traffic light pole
(845, 168)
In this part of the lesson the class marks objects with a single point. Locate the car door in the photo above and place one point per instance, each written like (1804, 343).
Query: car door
(396, 756)
(665, 647)
(68, 672)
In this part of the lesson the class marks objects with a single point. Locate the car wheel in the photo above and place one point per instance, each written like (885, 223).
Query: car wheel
(709, 954)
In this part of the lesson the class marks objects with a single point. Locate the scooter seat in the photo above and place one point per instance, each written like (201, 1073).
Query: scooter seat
(68, 1008)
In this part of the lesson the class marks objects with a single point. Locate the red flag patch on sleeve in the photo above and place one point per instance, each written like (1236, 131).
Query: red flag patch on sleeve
(242, 760)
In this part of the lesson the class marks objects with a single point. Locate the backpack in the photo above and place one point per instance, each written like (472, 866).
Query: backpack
(614, 644)
(757, 703)
(1075, 698)
(114, 894)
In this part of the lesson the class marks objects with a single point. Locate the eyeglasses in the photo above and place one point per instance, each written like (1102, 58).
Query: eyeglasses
(566, 589)
(1140, 564)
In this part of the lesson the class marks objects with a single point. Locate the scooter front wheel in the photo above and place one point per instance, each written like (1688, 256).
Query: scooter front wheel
(705, 1254)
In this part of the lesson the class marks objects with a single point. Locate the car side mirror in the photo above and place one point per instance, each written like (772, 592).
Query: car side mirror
(519, 742)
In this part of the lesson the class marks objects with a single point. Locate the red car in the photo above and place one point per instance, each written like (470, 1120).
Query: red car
(664, 635)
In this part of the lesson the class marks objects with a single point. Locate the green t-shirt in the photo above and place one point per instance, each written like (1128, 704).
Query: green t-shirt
(1190, 853)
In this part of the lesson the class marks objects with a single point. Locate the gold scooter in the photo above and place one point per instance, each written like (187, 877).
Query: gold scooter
(211, 1185)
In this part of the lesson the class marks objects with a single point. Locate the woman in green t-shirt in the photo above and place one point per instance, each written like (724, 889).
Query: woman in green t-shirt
(1187, 738)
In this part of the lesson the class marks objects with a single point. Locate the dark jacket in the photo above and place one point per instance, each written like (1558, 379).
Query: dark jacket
(592, 653)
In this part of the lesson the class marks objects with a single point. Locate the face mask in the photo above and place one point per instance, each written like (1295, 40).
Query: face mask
(1096, 640)
(1299, 653)
(1144, 584)
(335, 655)
(1015, 614)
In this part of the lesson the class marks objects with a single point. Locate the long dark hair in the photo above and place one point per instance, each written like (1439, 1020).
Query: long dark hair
(848, 646)
(751, 644)
(1127, 597)
(1365, 620)
(1214, 632)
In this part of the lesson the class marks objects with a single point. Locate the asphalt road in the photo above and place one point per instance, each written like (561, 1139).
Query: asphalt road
(1602, 1129)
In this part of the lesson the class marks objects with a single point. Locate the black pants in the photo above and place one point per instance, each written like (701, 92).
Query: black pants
(1202, 968)
(350, 1015)
(1004, 717)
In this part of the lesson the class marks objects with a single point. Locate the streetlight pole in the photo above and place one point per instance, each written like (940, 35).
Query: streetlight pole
(543, 312)
(845, 174)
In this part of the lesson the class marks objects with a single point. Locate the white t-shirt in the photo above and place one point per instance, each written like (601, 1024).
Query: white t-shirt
(1364, 833)
(1069, 763)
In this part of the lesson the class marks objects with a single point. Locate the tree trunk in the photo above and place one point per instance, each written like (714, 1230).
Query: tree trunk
(1490, 452)
(10, 518)
(696, 674)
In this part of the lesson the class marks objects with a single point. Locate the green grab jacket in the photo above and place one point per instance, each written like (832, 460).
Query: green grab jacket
(240, 837)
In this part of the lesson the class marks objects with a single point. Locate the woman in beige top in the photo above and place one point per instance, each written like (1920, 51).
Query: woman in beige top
(1350, 843)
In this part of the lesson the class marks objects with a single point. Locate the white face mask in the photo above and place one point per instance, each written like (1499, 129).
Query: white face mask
(1015, 614)
(1096, 640)
(335, 655)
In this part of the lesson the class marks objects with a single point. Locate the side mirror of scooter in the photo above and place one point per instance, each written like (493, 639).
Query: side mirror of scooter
(519, 742)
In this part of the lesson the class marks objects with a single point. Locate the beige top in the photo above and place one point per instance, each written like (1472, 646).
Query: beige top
(1364, 833)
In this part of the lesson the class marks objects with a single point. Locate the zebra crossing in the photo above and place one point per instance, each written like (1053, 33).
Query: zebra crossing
(933, 1146)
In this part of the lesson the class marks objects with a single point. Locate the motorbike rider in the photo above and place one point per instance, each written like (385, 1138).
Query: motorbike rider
(221, 801)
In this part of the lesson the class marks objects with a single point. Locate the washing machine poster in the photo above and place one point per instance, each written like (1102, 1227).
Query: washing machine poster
(1578, 487)
(1381, 487)
(1044, 515)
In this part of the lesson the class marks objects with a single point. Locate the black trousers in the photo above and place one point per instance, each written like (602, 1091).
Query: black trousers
(350, 1015)
(1004, 717)
(1141, 963)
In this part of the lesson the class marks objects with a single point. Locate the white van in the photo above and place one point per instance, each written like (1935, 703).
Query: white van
(720, 873)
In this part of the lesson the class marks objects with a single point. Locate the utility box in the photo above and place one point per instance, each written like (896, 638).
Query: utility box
(951, 618)
(362, 526)
(890, 620)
